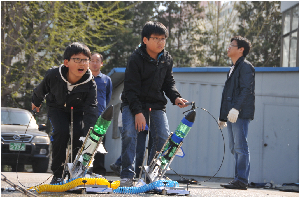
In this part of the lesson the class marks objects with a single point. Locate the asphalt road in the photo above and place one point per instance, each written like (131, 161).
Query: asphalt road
(205, 189)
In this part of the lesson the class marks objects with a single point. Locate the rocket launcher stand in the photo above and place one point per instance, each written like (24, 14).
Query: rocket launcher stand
(156, 170)
(162, 160)
(77, 168)
(93, 139)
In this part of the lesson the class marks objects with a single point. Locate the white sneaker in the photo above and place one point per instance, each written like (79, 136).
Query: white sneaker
(140, 183)
(126, 182)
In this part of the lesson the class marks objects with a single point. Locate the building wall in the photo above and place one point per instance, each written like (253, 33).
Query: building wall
(273, 134)
(290, 34)
(287, 5)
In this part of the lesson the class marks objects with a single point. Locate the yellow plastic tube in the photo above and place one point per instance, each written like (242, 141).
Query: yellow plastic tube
(72, 184)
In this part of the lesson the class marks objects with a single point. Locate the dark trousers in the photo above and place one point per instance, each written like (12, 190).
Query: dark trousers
(98, 164)
(60, 122)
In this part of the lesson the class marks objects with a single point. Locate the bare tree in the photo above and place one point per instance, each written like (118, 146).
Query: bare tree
(34, 35)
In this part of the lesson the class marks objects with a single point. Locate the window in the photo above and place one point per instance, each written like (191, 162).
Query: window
(290, 37)
(21, 118)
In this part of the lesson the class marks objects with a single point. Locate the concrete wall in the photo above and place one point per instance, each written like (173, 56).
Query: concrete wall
(273, 134)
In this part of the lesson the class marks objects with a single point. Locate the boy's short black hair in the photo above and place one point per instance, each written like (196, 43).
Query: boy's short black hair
(242, 42)
(76, 48)
(101, 57)
(154, 27)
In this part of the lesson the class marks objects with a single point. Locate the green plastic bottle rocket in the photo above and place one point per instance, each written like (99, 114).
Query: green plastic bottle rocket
(98, 131)
(181, 132)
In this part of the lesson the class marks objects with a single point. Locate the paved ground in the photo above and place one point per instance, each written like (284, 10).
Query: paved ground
(205, 189)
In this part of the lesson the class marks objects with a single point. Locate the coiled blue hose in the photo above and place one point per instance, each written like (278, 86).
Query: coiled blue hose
(146, 187)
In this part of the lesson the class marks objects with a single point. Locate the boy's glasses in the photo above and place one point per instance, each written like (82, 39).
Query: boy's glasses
(159, 39)
(78, 60)
(230, 45)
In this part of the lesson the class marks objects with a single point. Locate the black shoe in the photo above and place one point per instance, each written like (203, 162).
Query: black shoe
(228, 183)
(116, 169)
(56, 180)
(99, 171)
(235, 185)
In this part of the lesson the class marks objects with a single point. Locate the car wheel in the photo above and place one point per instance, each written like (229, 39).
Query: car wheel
(40, 165)
(19, 169)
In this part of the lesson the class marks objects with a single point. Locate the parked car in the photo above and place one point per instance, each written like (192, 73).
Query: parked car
(23, 141)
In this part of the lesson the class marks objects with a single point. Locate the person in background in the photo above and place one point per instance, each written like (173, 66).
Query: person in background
(69, 85)
(104, 91)
(148, 78)
(237, 109)
(116, 167)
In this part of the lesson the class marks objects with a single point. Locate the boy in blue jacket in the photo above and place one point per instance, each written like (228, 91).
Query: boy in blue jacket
(69, 85)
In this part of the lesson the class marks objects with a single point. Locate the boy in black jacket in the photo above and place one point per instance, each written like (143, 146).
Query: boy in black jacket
(148, 77)
(66, 86)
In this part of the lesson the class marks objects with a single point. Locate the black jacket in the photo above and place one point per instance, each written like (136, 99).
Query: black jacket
(147, 80)
(239, 91)
(62, 95)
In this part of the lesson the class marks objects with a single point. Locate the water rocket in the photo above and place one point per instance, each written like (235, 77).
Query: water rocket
(90, 145)
(162, 160)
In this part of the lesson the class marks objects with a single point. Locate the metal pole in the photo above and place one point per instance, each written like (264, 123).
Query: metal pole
(71, 131)
(146, 151)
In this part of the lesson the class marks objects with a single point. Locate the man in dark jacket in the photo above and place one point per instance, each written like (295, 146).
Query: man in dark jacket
(66, 86)
(237, 109)
(148, 77)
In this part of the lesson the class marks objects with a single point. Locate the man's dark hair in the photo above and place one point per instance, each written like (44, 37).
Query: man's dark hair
(76, 48)
(242, 42)
(154, 27)
(101, 57)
